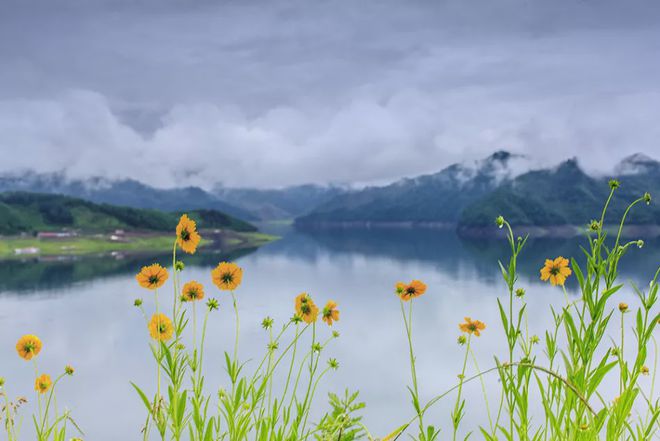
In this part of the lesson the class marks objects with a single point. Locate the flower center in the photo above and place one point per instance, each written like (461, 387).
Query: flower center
(554, 270)
(153, 280)
(305, 308)
(185, 235)
(227, 278)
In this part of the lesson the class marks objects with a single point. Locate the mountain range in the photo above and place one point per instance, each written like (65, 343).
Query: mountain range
(244, 203)
(470, 196)
(465, 195)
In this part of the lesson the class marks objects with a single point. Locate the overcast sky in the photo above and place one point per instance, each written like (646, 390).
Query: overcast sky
(272, 93)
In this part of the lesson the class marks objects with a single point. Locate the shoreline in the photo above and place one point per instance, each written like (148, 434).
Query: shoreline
(133, 243)
(481, 232)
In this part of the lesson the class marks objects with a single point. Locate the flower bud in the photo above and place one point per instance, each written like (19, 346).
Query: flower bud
(69, 370)
(623, 307)
(614, 184)
(499, 221)
(647, 198)
(520, 292)
(137, 302)
(179, 266)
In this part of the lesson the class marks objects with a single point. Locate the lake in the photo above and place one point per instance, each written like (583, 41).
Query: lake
(83, 311)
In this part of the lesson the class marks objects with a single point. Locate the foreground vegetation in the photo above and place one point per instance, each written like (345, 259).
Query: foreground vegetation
(565, 369)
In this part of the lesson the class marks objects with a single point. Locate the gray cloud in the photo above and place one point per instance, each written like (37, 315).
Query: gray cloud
(277, 93)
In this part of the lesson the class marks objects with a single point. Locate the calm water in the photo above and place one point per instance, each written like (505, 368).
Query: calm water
(83, 311)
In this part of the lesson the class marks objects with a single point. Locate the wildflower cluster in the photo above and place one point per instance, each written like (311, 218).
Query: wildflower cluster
(566, 376)
(48, 422)
(248, 407)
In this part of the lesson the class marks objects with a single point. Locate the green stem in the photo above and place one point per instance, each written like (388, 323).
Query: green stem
(456, 419)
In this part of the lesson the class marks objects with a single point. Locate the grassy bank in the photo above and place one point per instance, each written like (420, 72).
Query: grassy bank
(98, 244)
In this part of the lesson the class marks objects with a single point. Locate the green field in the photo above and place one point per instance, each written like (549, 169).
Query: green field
(95, 244)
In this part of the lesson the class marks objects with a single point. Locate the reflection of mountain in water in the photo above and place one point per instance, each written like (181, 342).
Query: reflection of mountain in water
(443, 249)
(451, 253)
(43, 274)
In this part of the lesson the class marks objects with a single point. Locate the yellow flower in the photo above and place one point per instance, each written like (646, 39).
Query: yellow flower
(160, 327)
(472, 326)
(28, 346)
(306, 309)
(152, 276)
(330, 313)
(414, 289)
(186, 234)
(556, 271)
(43, 384)
(192, 291)
(227, 276)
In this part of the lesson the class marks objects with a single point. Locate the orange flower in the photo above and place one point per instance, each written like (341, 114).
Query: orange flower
(186, 234)
(556, 271)
(192, 291)
(472, 326)
(306, 309)
(28, 346)
(152, 276)
(227, 276)
(330, 313)
(43, 383)
(414, 289)
(160, 327)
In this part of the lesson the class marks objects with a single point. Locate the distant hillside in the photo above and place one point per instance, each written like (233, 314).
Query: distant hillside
(285, 203)
(472, 195)
(566, 195)
(125, 193)
(438, 198)
(22, 212)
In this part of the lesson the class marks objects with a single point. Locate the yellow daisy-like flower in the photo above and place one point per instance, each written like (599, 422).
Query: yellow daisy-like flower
(330, 313)
(152, 276)
(192, 291)
(43, 383)
(411, 290)
(227, 276)
(186, 234)
(160, 327)
(472, 326)
(556, 271)
(28, 346)
(306, 309)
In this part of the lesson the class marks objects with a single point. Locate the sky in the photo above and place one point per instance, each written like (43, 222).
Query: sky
(275, 93)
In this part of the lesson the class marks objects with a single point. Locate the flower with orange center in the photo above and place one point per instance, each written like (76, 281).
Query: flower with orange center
(160, 327)
(43, 383)
(227, 276)
(411, 290)
(330, 313)
(556, 271)
(186, 234)
(192, 291)
(306, 309)
(152, 276)
(28, 346)
(472, 326)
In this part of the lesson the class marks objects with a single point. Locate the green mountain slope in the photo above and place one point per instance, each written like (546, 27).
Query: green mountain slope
(564, 196)
(22, 212)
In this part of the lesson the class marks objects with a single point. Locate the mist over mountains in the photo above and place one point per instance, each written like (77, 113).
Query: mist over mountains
(467, 195)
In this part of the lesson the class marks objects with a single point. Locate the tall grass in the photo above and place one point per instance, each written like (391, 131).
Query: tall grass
(594, 339)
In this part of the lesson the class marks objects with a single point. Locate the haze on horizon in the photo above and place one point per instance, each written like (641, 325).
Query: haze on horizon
(269, 94)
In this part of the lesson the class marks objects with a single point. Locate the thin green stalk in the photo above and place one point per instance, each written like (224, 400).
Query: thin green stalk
(456, 416)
